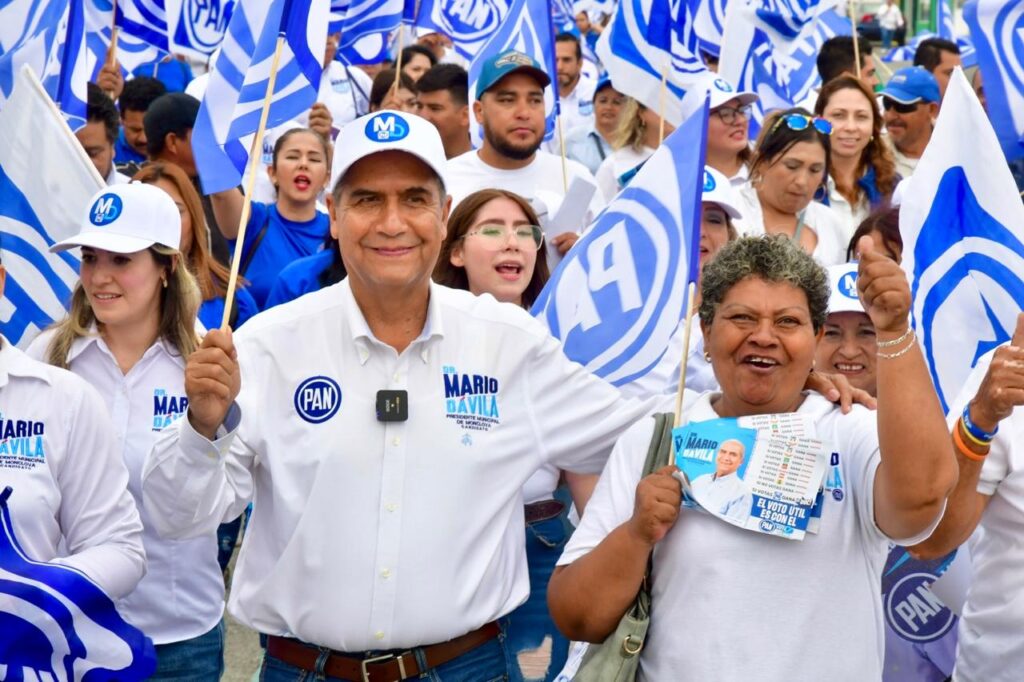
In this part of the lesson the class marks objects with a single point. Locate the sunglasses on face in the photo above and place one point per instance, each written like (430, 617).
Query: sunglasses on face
(800, 122)
(899, 107)
(728, 114)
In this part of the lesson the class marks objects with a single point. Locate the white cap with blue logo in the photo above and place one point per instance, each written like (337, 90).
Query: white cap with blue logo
(718, 190)
(126, 219)
(384, 131)
(843, 296)
(722, 91)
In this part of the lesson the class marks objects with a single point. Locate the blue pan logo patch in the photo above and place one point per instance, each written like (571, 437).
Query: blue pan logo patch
(317, 399)
(911, 608)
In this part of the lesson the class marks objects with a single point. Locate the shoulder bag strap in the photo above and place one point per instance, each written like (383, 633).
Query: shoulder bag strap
(254, 245)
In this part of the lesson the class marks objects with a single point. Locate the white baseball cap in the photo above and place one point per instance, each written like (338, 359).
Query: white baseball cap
(722, 91)
(127, 218)
(843, 289)
(384, 131)
(718, 190)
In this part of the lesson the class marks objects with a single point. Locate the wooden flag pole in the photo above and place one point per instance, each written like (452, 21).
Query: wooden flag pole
(663, 101)
(254, 156)
(691, 294)
(398, 61)
(561, 144)
(852, 7)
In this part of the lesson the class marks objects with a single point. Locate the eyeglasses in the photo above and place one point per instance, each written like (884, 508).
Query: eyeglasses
(899, 107)
(728, 114)
(800, 122)
(495, 236)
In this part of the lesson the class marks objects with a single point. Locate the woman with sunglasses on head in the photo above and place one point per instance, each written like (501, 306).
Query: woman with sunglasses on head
(790, 165)
(495, 247)
(131, 327)
(728, 148)
(862, 173)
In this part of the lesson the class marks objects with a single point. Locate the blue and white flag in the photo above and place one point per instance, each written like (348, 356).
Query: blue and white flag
(132, 52)
(618, 296)
(527, 29)
(962, 223)
(905, 53)
(231, 108)
(945, 20)
(469, 23)
(562, 14)
(709, 24)
(21, 20)
(143, 19)
(645, 41)
(58, 624)
(196, 28)
(39, 159)
(369, 17)
(997, 30)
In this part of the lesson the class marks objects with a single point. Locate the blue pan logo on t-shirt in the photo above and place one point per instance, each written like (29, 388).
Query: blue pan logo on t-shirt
(317, 399)
(105, 210)
(387, 127)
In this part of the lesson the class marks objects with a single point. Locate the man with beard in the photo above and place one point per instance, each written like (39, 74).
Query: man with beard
(911, 103)
(575, 90)
(510, 108)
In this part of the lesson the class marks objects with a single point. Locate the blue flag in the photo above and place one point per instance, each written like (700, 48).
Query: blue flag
(618, 296)
(962, 223)
(131, 52)
(366, 17)
(996, 29)
(526, 29)
(57, 624)
(231, 107)
(143, 19)
(196, 29)
(469, 23)
(709, 23)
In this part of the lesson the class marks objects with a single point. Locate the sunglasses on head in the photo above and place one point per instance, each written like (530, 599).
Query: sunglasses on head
(899, 107)
(800, 122)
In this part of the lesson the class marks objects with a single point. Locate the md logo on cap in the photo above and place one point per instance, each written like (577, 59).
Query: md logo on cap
(723, 85)
(709, 182)
(106, 209)
(847, 285)
(387, 127)
(317, 399)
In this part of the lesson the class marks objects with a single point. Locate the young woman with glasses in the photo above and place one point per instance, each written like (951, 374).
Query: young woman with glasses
(728, 150)
(790, 165)
(494, 246)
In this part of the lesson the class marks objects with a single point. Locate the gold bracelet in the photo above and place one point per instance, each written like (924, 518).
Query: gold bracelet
(895, 342)
(958, 442)
(891, 356)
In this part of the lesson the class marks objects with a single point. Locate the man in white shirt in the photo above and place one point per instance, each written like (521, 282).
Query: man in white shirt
(939, 57)
(510, 107)
(385, 430)
(890, 18)
(724, 492)
(99, 134)
(575, 91)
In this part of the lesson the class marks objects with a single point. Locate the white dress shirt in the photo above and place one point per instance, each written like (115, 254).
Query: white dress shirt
(182, 595)
(379, 535)
(70, 503)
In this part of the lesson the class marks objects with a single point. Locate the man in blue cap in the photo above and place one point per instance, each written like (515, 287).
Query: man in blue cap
(911, 103)
(510, 107)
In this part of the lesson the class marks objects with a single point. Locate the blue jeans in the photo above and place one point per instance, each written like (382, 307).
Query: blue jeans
(887, 35)
(486, 663)
(530, 624)
(200, 659)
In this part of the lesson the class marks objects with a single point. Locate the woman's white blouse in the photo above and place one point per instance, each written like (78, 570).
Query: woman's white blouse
(826, 224)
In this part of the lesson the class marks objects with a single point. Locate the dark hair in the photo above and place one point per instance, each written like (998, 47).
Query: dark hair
(459, 223)
(175, 113)
(570, 38)
(100, 109)
(929, 52)
(450, 77)
(410, 51)
(139, 93)
(876, 155)
(384, 81)
(836, 56)
(288, 134)
(886, 222)
(335, 272)
(777, 138)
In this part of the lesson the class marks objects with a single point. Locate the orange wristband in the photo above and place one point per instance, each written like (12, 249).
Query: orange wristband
(958, 440)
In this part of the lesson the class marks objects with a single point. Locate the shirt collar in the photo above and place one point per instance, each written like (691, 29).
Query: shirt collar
(363, 337)
(79, 345)
(14, 362)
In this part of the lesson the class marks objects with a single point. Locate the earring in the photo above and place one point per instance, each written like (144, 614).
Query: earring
(707, 356)
(164, 280)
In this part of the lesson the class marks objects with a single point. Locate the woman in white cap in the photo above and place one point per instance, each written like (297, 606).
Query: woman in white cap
(848, 345)
(129, 331)
(728, 149)
(290, 228)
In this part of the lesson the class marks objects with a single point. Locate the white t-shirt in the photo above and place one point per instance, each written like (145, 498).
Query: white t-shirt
(577, 110)
(612, 168)
(467, 173)
(991, 647)
(70, 503)
(731, 604)
(345, 93)
(361, 535)
(182, 594)
(822, 220)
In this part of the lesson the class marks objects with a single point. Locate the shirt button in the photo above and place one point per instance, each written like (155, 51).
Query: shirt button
(386, 573)
(396, 377)
(391, 507)
(396, 441)
(379, 634)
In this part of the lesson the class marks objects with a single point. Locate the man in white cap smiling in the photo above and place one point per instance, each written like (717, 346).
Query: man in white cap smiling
(384, 429)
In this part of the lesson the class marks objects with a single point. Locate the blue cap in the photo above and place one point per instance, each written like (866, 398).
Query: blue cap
(602, 83)
(911, 85)
(509, 61)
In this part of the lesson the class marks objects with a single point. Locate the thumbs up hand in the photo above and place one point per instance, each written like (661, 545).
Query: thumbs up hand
(883, 287)
(1002, 389)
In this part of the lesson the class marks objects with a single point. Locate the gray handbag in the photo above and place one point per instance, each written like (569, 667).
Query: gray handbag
(617, 658)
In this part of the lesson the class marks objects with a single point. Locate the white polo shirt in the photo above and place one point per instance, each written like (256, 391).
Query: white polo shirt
(991, 648)
(379, 535)
(182, 595)
(70, 503)
(720, 593)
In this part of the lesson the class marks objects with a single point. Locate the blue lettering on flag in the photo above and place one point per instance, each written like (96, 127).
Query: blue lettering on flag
(911, 609)
(469, 23)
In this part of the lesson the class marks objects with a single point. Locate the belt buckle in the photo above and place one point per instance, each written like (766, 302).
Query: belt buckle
(381, 659)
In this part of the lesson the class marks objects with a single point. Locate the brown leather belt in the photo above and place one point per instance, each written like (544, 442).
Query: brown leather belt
(543, 510)
(385, 668)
